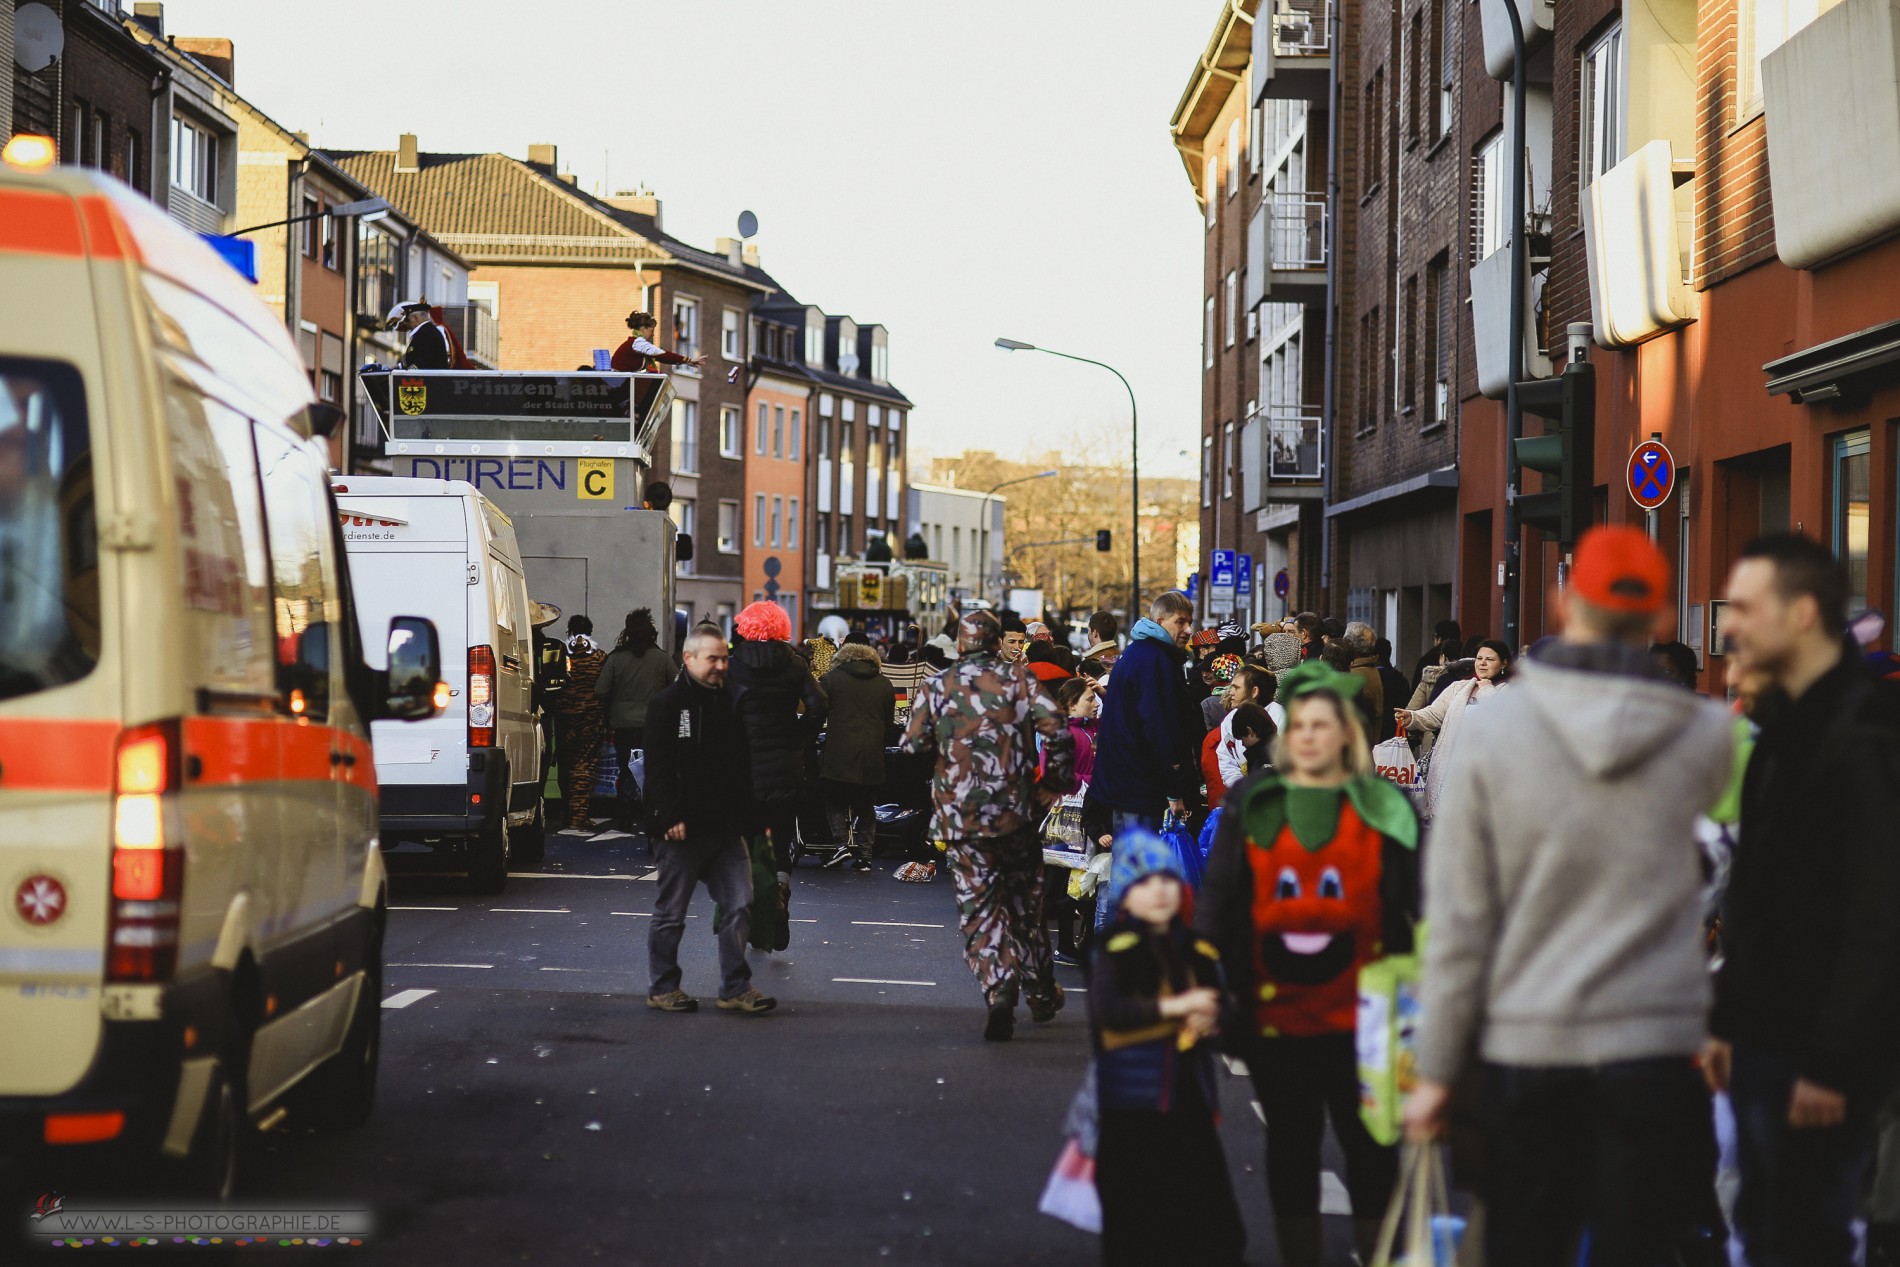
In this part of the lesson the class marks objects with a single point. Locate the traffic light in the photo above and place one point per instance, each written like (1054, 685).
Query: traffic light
(1103, 539)
(1565, 453)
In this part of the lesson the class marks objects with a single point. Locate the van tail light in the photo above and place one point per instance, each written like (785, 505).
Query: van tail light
(148, 867)
(481, 697)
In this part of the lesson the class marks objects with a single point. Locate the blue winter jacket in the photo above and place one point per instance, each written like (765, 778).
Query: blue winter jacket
(1147, 743)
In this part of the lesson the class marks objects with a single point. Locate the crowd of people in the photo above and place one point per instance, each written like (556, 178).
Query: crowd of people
(1661, 945)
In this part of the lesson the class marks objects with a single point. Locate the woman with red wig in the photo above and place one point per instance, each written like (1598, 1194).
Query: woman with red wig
(782, 708)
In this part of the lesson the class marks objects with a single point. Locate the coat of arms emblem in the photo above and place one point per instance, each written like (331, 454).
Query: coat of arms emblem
(412, 395)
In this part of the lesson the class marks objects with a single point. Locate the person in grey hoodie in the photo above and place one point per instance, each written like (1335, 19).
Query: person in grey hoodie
(1566, 950)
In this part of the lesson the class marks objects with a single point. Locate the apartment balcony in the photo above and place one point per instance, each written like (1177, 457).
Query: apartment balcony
(476, 327)
(1293, 46)
(1296, 246)
(1832, 96)
(1637, 219)
(1491, 323)
(1282, 455)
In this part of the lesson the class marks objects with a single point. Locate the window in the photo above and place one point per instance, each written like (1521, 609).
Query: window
(1853, 480)
(1210, 188)
(1765, 26)
(847, 442)
(1439, 333)
(49, 540)
(723, 614)
(135, 159)
(1233, 305)
(329, 386)
(731, 337)
(728, 527)
(823, 433)
(686, 327)
(1233, 157)
(1408, 353)
(686, 519)
(895, 443)
(1372, 134)
(1490, 189)
(791, 524)
(312, 207)
(195, 159)
(1207, 333)
(99, 141)
(298, 527)
(778, 431)
(1445, 57)
(327, 249)
(758, 519)
(778, 520)
(844, 534)
(815, 341)
(1415, 78)
(823, 544)
(1371, 362)
(1600, 112)
(731, 432)
(880, 362)
(685, 437)
(759, 438)
(1227, 462)
(1207, 470)
(796, 441)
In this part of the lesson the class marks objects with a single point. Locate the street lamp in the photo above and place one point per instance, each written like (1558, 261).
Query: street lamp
(1021, 479)
(1134, 465)
(365, 210)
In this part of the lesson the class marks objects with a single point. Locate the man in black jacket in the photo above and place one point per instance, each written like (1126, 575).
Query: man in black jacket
(1807, 1004)
(700, 807)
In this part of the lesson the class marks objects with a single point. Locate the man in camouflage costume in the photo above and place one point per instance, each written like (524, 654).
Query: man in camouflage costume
(981, 717)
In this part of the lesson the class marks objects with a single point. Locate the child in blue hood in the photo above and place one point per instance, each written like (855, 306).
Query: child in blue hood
(1154, 999)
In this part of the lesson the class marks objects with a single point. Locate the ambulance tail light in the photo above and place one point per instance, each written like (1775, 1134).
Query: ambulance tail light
(481, 697)
(148, 867)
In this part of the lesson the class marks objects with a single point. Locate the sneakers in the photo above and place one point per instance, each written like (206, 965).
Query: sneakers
(863, 866)
(752, 1003)
(1001, 1025)
(674, 1001)
(839, 858)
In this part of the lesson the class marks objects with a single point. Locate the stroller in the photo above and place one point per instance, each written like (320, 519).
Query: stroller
(902, 808)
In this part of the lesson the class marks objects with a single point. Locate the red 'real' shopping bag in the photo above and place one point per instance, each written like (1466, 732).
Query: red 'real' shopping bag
(1396, 761)
(1070, 1193)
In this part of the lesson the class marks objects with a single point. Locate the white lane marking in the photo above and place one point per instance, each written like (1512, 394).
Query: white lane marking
(406, 997)
(1333, 1198)
(1235, 1066)
(616, 970)
(1259, 1112)
(440, 965)
(530, 910)
(1073, 990)
(424, 908)
(635, 914)
(801, 921)
(890, 923)
(878, 981)
(565, 875)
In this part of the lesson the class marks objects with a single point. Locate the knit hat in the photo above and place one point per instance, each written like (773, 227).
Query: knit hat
(1223, 668)
(1139, 853)
(1316, 676)
(1620, 570)
(1230, 629)
(764, 622)
(1281, 651)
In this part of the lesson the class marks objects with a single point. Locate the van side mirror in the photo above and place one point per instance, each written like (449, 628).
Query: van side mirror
(415, 670)
(683, 547)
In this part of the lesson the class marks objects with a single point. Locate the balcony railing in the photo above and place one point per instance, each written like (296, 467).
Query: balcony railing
(476, 328)
(1301, 28)
(1296, 231)
(1294, 445)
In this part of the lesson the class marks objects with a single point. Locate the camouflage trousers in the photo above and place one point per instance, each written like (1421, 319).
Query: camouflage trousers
(999, 904)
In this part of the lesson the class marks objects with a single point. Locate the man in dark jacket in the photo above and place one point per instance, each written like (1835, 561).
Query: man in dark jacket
(1150, 734)
(1807, 1004)
(851, 770)
(699, 804)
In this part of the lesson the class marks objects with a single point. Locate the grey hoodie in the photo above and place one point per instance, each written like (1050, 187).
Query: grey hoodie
(1561, 872)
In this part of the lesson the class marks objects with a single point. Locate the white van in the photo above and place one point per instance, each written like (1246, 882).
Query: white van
(467, 783)
(191, 944)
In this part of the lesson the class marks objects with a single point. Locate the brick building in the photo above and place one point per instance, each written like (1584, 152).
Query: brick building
(559, 270)
(774, 432)
(98, 99)
(1721, 215)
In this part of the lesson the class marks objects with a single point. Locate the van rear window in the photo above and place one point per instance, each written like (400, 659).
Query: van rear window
(49, 540)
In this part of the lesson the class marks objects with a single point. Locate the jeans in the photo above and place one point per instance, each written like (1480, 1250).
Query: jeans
(1122, 820)
(1620, 1147)
(719, 859)
(1801, 1189)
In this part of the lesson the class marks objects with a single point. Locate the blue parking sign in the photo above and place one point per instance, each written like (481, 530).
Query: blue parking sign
(1222, 570)
(1244, 571)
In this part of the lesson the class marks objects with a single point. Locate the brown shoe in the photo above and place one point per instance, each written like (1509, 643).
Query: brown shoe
(752, 1003)
(1042, 1011)
(674, 1001)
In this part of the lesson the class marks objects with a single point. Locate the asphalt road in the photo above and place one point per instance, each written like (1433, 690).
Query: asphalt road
(534, 1110)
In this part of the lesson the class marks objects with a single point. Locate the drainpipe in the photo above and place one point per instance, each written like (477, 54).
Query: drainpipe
(1513, 411)
(1330, 401)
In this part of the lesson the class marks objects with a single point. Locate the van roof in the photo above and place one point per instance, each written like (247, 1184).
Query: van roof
(398, 486)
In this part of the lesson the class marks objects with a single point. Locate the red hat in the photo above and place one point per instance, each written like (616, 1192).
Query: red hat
(764, 622)
(1620, 570)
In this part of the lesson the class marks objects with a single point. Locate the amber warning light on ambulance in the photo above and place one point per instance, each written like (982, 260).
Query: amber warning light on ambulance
(29, 149)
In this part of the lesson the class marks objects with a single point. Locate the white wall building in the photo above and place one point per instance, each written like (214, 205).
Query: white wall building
(964, 531)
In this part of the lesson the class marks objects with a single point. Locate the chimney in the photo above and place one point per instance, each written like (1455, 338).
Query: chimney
(752, 254)
(544, 156)
(733, 249)
(407, 159)
(215, 55)
(150, 14)
(569, 178)
(641, 201)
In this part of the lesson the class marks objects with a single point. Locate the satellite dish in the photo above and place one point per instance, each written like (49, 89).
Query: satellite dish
(38, 37)
(748, 223)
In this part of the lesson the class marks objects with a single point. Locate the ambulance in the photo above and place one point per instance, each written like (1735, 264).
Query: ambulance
(191, 945)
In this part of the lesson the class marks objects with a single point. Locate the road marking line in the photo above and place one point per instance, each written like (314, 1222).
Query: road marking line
(890, 923)
(529, 910)
(1333, 1197)
(1236, 1067)
(620, 970)
(878, 981)
(801, 921)
(635, 914)
(424, 908)
(1259, 1112)
(564, 875)
(440, 965)
(406, 997)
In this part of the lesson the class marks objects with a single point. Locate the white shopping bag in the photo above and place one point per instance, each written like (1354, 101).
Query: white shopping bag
(1396, 761)
(637, 768)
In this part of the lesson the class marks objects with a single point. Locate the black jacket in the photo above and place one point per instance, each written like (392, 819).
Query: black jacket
(769, 682)
(1811, 925)
(861, 700)
(698, 770)
(428, 349)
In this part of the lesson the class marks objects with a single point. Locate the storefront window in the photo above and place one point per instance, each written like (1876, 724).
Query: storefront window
(1853, 479)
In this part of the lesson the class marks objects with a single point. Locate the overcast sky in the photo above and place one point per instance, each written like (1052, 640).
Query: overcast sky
(955, 171)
